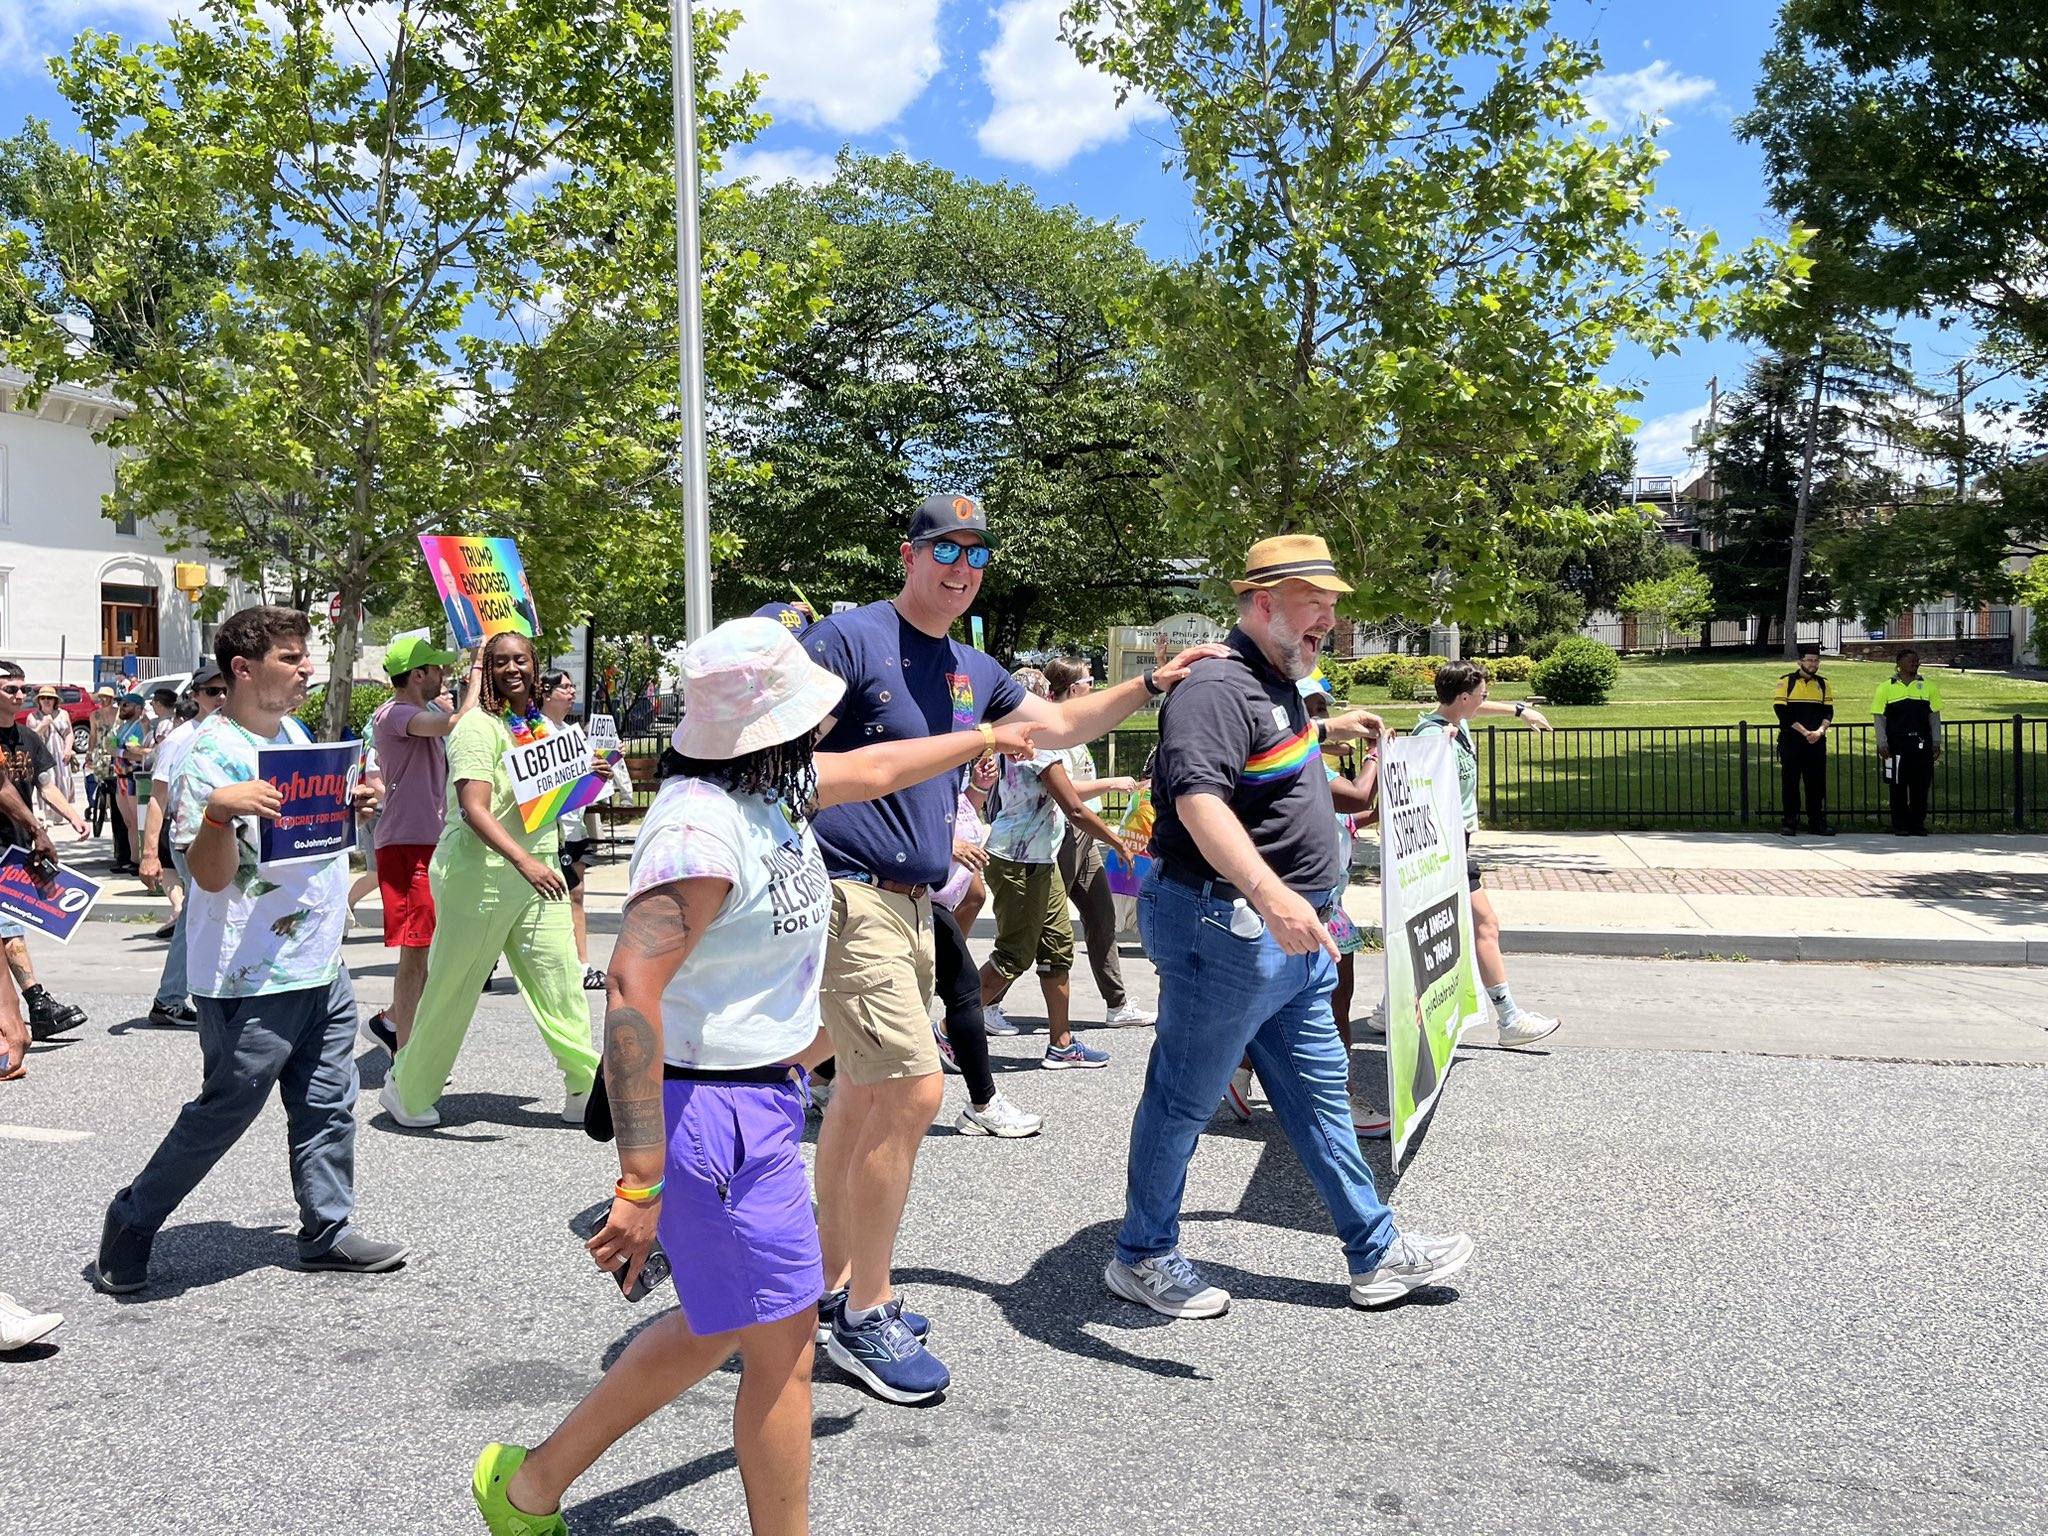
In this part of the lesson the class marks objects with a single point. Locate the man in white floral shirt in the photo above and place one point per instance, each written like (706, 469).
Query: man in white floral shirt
(264, 955)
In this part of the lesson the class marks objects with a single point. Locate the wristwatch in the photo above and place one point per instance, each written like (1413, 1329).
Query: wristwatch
(1151, 687)
(1521, 705)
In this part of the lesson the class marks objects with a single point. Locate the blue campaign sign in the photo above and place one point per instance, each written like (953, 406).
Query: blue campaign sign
(56, 909)
(317, 781)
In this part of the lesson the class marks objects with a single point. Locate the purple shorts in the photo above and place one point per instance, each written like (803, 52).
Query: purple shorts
(736, 1218)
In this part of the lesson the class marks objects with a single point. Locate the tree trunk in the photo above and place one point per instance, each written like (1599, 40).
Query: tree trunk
(341, 665)
(1798, 561)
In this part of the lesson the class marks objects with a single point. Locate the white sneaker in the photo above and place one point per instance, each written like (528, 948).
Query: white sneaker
(998, 1117)
(1411, 1263)
(1370, 1123)
(573, 1107)
(1375, 1023)
(993, 1021)
(1237, 1098)
(388, 1097)
(1526, 1029)
(1127, 1017)
(20, 1327)
(1168, 1284)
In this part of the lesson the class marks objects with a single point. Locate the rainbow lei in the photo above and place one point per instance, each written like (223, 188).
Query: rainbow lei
(526, 728)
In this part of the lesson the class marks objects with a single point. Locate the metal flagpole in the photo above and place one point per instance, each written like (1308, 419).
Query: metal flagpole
(690, 292)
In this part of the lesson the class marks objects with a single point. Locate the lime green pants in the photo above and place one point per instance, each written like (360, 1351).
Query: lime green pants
(482, 912)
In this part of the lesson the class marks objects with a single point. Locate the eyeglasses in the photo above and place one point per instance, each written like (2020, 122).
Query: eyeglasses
(215, 692)
(948, 552)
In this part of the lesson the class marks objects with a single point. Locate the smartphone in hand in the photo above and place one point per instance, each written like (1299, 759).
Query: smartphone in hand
(587, 1224)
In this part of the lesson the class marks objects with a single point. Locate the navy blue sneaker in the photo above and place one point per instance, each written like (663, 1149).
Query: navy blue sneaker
(887, 1357)
(828, 1311)
(1073, 1054)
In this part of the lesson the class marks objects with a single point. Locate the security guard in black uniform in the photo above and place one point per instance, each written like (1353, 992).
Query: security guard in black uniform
(1806, 707)
(1908, 714)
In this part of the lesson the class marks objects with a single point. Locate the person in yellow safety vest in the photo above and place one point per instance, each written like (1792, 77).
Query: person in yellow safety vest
(1806, 708)
(1908, 714)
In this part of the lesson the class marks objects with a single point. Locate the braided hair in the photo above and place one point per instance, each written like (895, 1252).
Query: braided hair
(786, 772)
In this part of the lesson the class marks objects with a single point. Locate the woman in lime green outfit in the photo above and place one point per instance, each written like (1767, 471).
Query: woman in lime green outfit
(497, 891)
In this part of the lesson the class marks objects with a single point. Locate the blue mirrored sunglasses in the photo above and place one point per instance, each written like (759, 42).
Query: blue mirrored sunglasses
(947, 552)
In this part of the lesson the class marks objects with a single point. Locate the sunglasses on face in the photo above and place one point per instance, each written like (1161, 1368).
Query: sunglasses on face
(215, 692)
(13, 688)
(948, 552)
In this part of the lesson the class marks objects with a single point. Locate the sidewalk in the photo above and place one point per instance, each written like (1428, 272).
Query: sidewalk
(1959, 900)
(1956, 900)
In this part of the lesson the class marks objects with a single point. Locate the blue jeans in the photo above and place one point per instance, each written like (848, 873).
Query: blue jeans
(302, 1042)
(1220, 997)
(170, 987)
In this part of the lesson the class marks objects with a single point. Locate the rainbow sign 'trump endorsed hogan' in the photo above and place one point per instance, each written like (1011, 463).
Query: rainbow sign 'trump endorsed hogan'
(482, 586)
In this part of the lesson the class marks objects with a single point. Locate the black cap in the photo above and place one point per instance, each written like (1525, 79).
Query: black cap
(209, 672)
(940, 517)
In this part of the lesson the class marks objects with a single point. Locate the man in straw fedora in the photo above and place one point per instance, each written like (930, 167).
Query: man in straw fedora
(1232, 915)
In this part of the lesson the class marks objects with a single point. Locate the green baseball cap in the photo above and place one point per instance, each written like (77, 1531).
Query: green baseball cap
(411, 651)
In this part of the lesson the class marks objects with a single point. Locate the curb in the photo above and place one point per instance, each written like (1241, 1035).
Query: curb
(1837, 948)
(1620, 943)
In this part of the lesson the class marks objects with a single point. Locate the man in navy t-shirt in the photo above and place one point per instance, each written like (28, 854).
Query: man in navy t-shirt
(905, 678)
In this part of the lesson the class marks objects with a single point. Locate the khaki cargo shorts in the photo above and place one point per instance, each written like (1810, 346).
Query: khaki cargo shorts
(877, 992)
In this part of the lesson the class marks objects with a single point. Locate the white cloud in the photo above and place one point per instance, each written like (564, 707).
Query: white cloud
(1654, 91)
(806, 167)
(850, 65)
(1662, 445)
(1049, 106)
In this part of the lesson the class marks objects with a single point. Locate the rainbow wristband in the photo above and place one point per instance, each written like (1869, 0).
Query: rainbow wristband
(638, 1196)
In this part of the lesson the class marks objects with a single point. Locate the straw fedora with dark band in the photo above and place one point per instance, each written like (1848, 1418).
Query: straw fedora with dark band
(1290, 557)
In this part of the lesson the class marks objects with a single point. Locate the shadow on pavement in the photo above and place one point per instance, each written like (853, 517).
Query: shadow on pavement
(197, 1254)
(613, 1514)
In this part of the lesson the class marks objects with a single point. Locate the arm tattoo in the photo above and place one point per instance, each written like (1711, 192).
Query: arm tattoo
(632, 1079)
(654, 926)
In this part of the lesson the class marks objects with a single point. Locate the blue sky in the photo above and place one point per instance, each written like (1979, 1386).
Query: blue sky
(985, 88)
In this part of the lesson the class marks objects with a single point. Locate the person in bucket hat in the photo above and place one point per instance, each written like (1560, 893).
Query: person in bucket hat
(713, 1018)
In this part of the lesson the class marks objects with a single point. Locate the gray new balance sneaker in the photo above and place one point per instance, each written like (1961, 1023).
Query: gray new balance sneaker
(1168, 1284)
(1413, 1262)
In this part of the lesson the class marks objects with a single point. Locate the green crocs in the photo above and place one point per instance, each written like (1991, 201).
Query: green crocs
(493, 1476)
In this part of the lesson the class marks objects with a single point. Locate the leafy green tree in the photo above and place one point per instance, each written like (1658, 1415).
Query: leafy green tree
(1417, 259)
(1809, 437)
(1910, 136)
(366, 274)
(1669, 604)
(975, 340)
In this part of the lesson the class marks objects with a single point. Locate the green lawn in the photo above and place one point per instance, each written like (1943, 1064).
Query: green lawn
(1678, 691)
(1647, 759)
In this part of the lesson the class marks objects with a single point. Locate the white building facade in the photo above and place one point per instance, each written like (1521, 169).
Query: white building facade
(82, 598)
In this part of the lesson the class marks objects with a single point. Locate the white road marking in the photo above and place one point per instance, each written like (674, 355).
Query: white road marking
(40, 1133)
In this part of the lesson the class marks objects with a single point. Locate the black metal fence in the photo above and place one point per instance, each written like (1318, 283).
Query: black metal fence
(1993, 774)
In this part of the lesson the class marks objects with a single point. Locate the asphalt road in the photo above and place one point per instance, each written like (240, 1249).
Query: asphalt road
(1755, 1254)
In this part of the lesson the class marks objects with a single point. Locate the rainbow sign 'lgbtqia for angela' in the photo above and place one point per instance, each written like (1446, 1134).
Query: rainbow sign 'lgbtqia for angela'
(482, 586)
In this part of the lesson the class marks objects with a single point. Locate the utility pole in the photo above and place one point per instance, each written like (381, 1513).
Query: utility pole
(1805, 502)
(1962, 461)
(1713, 426)
(690, 313)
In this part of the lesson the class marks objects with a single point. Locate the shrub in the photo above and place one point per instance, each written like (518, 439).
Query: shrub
(1578, 671)
(363, 700)
(1541, 647)
(1373, 671)
(1511, 669)
(1406, 676)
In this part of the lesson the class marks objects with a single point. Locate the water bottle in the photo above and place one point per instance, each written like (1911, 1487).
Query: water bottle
(1244, 922)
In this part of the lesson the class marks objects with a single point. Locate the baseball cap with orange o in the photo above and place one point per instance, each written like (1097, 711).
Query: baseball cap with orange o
(941, 517)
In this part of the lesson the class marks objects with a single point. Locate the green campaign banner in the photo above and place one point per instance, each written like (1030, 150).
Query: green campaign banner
(1433, 991)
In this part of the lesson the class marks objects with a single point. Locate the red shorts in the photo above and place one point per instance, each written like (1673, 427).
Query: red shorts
(408, 895)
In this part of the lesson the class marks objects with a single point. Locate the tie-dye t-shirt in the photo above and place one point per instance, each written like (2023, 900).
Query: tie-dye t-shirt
(272, 928)
(747, 995)
(1029, 824)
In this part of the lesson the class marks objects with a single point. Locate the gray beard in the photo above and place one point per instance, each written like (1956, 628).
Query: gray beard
(1289, 663)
